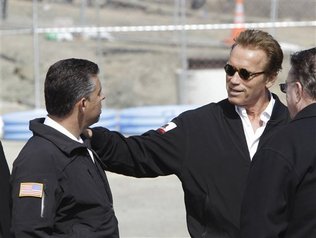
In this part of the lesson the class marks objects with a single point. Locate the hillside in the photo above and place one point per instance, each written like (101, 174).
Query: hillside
(137, 68)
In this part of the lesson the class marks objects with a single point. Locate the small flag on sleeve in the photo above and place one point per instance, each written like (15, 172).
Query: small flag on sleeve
(31, 190)
(165, 128)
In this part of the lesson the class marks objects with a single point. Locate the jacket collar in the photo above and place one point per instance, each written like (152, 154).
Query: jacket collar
(308, 111)
(63, 142)
(279, 113)
(280, 116)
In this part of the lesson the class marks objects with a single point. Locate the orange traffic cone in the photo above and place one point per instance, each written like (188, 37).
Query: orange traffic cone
(239, 19)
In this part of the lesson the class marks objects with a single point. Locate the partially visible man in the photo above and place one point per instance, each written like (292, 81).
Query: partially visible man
(280, 199)
(5, 215)
(210, 148)
(59, 188)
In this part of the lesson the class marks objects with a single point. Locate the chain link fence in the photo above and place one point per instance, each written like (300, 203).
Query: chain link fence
(143, 60)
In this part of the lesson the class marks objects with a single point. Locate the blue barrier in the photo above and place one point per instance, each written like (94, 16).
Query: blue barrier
(16, 125)
(1, 126)
(137, 120)
(109, 118)
(129, 121)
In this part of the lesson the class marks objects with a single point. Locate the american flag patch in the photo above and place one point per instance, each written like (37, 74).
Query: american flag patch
(31, 190)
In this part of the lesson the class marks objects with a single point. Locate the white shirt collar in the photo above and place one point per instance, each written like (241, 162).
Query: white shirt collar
(50, 122)
(265, 115)
(252, 137)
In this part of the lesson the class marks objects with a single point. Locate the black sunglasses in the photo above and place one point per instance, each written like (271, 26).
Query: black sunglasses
(284, 86)
(243, 73)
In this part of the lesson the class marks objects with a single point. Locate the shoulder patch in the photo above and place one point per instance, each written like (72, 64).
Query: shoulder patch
(30, 189)
(167, 127)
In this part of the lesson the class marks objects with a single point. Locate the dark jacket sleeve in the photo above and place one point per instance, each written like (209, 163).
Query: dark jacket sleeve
(149, 155)
(5, 206)
(270, 187)
(33, 216)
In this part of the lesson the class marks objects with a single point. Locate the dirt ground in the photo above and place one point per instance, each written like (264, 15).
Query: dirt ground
(137, 68)
(145, 208)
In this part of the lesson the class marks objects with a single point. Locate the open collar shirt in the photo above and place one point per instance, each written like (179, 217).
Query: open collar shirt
(253, 137)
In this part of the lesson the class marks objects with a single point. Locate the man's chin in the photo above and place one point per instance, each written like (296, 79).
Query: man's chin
(94, 121)
(235, 101)
(232, 100)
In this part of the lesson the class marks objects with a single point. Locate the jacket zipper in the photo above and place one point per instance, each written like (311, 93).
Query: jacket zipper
(43, 201)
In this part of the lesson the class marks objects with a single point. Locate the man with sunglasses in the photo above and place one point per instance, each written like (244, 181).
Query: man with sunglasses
(210, 148)
(280, 199)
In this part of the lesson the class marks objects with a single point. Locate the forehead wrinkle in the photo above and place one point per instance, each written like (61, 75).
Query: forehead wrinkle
(251, 59)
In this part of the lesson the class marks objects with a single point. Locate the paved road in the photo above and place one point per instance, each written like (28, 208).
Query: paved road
(148, 208)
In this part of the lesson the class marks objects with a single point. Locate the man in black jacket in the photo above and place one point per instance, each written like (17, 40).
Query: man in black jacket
(59, 188)
(280, 199)
(210, 148)
(4, 196)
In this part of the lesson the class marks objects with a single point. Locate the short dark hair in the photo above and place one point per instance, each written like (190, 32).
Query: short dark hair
(304, 70)
(262, 40)
(67, 81)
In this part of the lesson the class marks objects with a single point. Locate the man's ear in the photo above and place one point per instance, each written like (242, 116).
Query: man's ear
(298, 90)
(271, 80)
(82, 104)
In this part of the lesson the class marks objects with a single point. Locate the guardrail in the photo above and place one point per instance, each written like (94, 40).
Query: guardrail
(129, 121)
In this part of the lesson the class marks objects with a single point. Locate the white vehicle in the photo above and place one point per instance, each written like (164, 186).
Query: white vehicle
(60, 36)
(94, 35)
